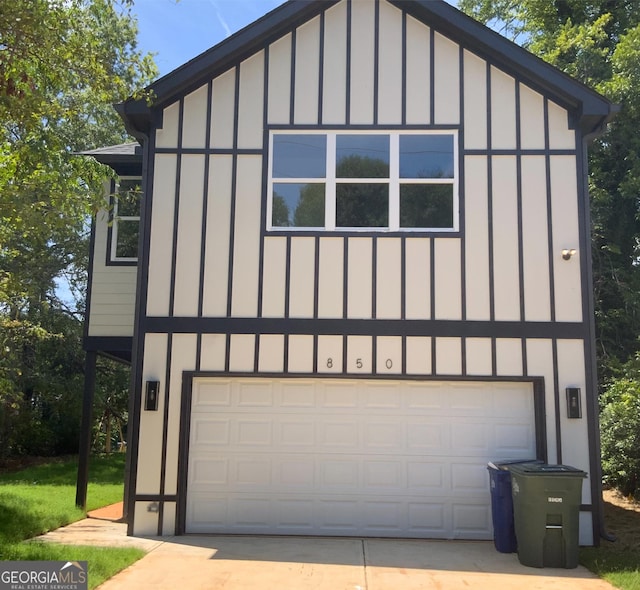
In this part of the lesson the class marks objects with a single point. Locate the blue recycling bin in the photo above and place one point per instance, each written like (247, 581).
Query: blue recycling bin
(504, 534)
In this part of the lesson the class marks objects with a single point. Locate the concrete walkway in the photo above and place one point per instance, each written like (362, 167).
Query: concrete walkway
(199, 562)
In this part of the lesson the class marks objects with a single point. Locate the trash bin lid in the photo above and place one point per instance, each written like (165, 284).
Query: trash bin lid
(506, 464)
(547, 470)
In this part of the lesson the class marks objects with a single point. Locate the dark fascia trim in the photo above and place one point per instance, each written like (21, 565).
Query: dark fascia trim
(136, 113)
(108, 344)
(593, 110)
(365, 327)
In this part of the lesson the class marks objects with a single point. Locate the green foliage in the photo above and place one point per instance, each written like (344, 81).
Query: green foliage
(63, 63)
(102, 562)
(311, 208)
(42, 498)
(618, 567)
(620, 435)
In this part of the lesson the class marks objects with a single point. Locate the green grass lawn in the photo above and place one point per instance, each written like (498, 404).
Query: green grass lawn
(42, 498)
(617, 562)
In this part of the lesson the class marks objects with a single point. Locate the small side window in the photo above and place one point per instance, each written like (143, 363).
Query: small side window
(126, 220)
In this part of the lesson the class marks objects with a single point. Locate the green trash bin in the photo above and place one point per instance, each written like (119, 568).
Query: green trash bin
(546, 510)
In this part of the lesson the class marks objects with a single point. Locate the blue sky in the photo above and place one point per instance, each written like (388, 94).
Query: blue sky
(179, 30)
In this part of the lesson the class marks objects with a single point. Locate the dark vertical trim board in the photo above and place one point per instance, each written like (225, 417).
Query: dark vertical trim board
(376, 61)
(347, 105)
(287, 278)
(165, 429)
(316, 276)
(138, 344)
(265, 181)
(519, 205)
(461, 205)
(556, 398)
(205, 204)
(234, 183)
(321, 69)
(176, 210)
(432, 76)
(404, 67)
(403, 278)
(547, 160)
(292, 97)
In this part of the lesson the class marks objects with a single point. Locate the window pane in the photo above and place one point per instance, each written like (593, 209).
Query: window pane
(298, 205)
(362, 205)
(299, 156)
(127, 244)
(362, 156)
(426, 205)
(426, 156)
(129, 195)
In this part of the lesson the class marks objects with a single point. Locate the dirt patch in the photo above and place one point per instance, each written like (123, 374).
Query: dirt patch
(622, 519)
(113, 512)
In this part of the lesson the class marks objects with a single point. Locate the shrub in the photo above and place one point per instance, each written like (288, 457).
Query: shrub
(620, 436)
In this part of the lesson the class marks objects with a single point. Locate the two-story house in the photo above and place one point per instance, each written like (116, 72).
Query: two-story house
(362, 272)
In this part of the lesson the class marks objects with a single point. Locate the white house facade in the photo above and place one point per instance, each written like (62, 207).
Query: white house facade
(363, 272)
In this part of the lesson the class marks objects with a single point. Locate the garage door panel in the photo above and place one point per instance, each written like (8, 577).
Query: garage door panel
(513, 440)
(470, 521)
(206, 473)
(469, 479)
(429, 519)
(437, 517)
(337, 457)
(210, 396)
(428, 477)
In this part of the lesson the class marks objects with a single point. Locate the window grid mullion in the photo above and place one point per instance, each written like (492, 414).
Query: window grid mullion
(330, 187)
(394, 181)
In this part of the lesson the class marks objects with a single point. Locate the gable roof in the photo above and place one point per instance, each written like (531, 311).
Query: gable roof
(592, 110)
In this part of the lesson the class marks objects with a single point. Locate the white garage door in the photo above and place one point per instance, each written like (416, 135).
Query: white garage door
(351, 457)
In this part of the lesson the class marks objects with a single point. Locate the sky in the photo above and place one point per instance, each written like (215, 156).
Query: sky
(179, 30)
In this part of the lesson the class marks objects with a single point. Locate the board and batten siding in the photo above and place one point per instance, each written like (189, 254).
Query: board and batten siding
(113, 289)
(517, 175)
(213, 267)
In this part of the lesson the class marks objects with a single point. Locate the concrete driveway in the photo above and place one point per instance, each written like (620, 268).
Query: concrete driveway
(198, 562)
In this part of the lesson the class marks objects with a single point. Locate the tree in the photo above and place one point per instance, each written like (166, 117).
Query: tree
(597, 42)
(63, 63)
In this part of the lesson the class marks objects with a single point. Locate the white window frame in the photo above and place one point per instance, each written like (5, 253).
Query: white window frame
(394, 181)
(116, 219)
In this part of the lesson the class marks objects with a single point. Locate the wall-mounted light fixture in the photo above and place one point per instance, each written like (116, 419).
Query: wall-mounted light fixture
(574, 403)
(151, 396)
(568, 253)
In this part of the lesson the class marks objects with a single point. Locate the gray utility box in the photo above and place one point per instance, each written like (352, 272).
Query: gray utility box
(546, 510)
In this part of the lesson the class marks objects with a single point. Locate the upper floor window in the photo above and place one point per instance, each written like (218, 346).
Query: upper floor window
(359, 180)
(126, 219)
